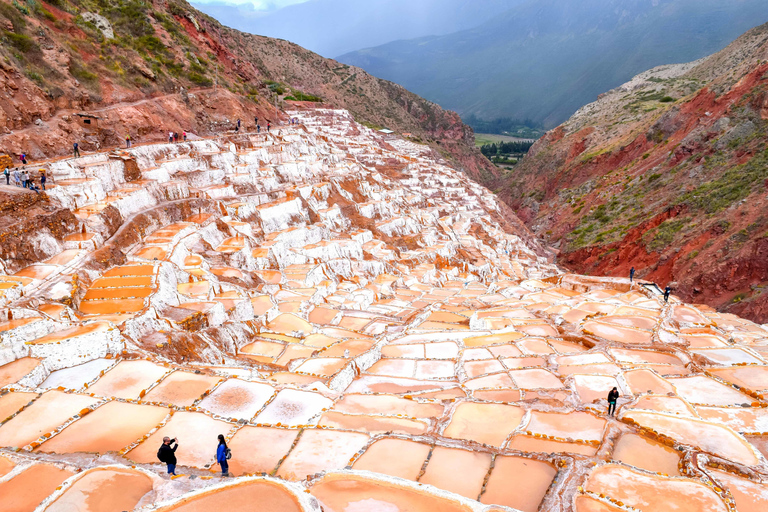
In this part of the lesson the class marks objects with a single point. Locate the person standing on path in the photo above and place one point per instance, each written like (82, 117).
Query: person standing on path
(23, 158)
(43, 178)
(170, 137)
(127, 140)
(258, 128)
(17, 177)
(222, 455)
(7, 176)
(167, 454)
(184, 134)
(269, 125)
(238, 124)
(76, 147)
(256, 121)
(667, 291)
(613, 395)
(631, 274)
(24, 178)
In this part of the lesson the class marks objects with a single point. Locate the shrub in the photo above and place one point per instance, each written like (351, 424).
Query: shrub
(653, 177)
(199, 79)
(21, 42)
(667, 99)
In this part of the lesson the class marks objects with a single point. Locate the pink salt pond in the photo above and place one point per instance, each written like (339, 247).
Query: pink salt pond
(394, 457)
(348, 493)
(103, 490)
(572, 425)
(711, 437)
(237, 399)
(613, 332)
(653, 493)
(519, 483)
(10, 373)
(321, 450)
(442, 471)
(484, 423)
(25, 491)
(644, 453)
(240, 497)
(259, 449)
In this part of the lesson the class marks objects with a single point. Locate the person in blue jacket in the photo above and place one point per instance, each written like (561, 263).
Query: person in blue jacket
(221, 456)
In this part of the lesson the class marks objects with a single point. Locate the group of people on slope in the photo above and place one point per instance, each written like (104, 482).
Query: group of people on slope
(22, 178)
(167, 454)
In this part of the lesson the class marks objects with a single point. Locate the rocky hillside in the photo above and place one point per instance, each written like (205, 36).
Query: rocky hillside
(147, 67)
(667, 173)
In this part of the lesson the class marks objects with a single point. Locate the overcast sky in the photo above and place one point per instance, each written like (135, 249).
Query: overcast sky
(259, 5)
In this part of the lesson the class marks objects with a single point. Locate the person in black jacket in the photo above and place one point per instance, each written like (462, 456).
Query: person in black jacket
(167, 454)
(613, 395)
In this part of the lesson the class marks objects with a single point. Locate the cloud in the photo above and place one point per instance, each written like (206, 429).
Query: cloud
(258, 5)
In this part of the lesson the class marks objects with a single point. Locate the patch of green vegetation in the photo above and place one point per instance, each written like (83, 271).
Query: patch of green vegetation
(665, 233)
(297, 95)
(653, 177)
(731, 186)
(667, 99)
(82, 74)
(199, 79)
(21, 42)
(22, 8)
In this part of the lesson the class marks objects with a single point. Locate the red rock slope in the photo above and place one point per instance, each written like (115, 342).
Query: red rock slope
(668, 173)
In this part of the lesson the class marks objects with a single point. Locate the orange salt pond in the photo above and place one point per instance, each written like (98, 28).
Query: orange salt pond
(711, 437)
(10, 373)
(45, 415)
(111, 427)
(584, 503)
(25, 491)
(321, 450)
(643, 453)
(372, 424)
(394, 457)
(72, 332)
(11, 403)
(259, 449)
(455, 470)
(128, 379)
(651, 493)
(288, 323)
(518, 482)
(485, 423)
(181, 388)
(354, 493)
(103, 490)
(240, 497)
(750, 496)
(6, 466)
(196, 433)
(532, 444)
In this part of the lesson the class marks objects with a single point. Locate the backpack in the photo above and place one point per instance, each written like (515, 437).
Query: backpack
(161, 455)
(229, 454)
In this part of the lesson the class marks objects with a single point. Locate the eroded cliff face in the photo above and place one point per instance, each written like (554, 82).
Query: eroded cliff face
(667, 174)
(146, 68)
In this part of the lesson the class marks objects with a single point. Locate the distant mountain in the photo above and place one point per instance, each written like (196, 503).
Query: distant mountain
(333, 27)
(543, 59)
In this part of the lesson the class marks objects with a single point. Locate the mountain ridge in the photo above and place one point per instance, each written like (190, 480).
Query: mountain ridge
(546, 58)
(666, 174)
